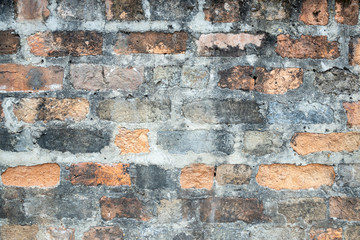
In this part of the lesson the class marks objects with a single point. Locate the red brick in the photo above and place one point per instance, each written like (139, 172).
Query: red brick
(18, 232)
(326, 234)
(345, 208)
(9, 42)
(197, 176)
(354, 51)
(314, 12)
(289, 176)
(61, 233)
(1, 112)
(94, 174)
(104, 233)
(306, 143)
(44, 175)
(307, 46)
(151, 42)
(132, 141)
(125, 10)
(31, 110)
(224, 11)
(236, 174)
(58, 44)
(122, 208)
(352, 113)
(31, 10)
(347, 12)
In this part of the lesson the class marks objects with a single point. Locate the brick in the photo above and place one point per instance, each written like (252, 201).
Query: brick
(197, 176)
(337, 81)
(197, 141)
(132, 141)
(273, 9)
(169, 211)
(8, 140)
(123, 208)
(94, 174)
(1, 112)
(228, 111)
(225, 11)
(65, 139)
(346, 12)
(99, 233)
(261, 232)
(61, 233)
(354, 51)
(95, 77)
(59, 44)
(31, 10)
(307, 209)
(299, 113)
(195, 77)
(167, 76)
(306, 143)
(173, 10)
(352, 113)
(15, 77)
(315, 47)
(236, 174)
(151, 43)
(326, 234)
(261, 143)
(134, 110)
(314, 12)
(352, 233)
(18, 232)
(154, 177)
(124, 10)
(31, 110)
(292, 177)
(226, 210)
(227, 45)
(44, 175)
(9, 42)
(6, 10)
(91, 10)
(349, 175)
(346, 208)
(276, 81)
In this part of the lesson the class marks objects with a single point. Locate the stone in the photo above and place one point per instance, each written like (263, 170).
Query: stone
(352, 113)
(124, 10)
(197, 176)
(132, 141)
(172, 10)
(262, 143)
(154, 177)
(195, 77)
(90, 10)
(9, 42)
(345, 208)
(18, 232)
(225, 11)
(337, 81)
(31, 10)
(104, 233)
(236, 174)
(314, 12)
(346, 12)
(326, 234)
(61, 233)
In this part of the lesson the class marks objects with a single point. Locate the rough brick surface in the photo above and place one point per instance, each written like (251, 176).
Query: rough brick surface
(172, 10)
(8, 140)
(98, 233)
(15, 77)
(262, 143)
(314, 12)
(288, 176)
(18, 232)
(352, 113)
(197, 176)
(9, 42)
(61, 233)
(94, 174)
(45, 175)
(337, 81)
(352, 233)
(346, 12)
(236, 174)
(135, 141)
(124, 10)
(90, 10)
(354, 51)
(1, 112)
(31, 10)
(349, 175)
(326, 234)
(306, 143)
(273, 9)
(346, 208)
(225, 11)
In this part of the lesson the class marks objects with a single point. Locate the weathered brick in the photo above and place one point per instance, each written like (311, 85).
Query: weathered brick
(195, 77)
(132, 141)
(1, 112)
(227, 45)
(354, 51)
(273, 9)
(31, 110)
(15, 77)
(94, 174)
(292, 177)
(228, 111)
(173, 10)
(349, 175)
(326, 234)
(18, 232)
(134, 110)
(99, 233)
(262, 143)
(72, 140)
(124, 10)
(151, 42)
(352, 113)
(315, 47)
(225, 210)
(154, 177)
(236, 174)
(276, 81)
(337, 81)
(197, 176)
(346, 208)
(44, 175)
(306, 143)
(263, 232)
(89, 10)
(169, 211)
(314, 12)
(197, 141)
(346, 12)
(225, 11)
(97, 77)
(59, 44)
(307, 209)
(167, 76)
(8, 140)
(123, 208)
(352, 233)
(6, 10)
(61, 233)
(31, 10)
(9, 42)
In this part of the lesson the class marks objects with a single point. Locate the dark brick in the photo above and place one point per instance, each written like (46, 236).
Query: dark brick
(89, 10)
(226, 10)
(13, 208)
(6, 10)
(198, 141)
(110, 233)
(9, 42)
(347, 11)
(346, 208)
(74, 140)
(172, 10)
(153, 177)
(352, 233)
(125, 10)
(337, 81)
(274, 9)
(8, 140)
(314, 12)
(354, 51)
(26, 10)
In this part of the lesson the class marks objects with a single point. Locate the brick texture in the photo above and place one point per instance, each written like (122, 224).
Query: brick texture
(323, 234)
(113, 232)
(9, 42)
(346, 208)
(352, 113)
(135, 141)
(347, 11)
(236, 174)
(124, 10)
(31, 10)
(197, 176)
(314, 12)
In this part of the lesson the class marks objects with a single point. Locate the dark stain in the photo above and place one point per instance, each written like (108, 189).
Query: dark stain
(132, 8)
(35, 79)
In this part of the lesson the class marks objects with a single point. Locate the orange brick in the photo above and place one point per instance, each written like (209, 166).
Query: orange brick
(197, 176)
(44, 175)
(347, 12)
(132, 141)
(314, 12)
(326, 234)
(292, 177)
(352, 113)
(354, 51)
(31, 10)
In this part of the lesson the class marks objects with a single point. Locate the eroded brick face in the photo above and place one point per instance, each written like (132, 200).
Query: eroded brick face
(352, 113)
(236, 174)
(326, 234)
(346, 12)
(124, 10)
(132, 141)
(98, 233)
(354, 51)
(18, 232)
(346, 208)
(225, 11)
(9, 42)
(61, 233)
(314, 12)
(31, 10)
(197, 176)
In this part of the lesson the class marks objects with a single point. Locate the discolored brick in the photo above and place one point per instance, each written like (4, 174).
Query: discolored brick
(326, 234)
(306, 143)
(9, 42)
(236, 174)
(124, 10)
(15, 77)
(346, 208)
(352, 233)
(1, 112)
(8, 140)
(132, 141)
(337, 81)
(31, 10)
(354, 51)
(352, 113)
(346, 12)
(61, 233)
(100, 233)
(349, 175)
(71, 43)
(273, 9)
(155, 177)
(197, 176)
(314, 12)
(44, 175)
(238, 77)
(225, 11)
(94, 174)
(18, 232)
(292, 177)
(123, 208)
(90, 10)
(195, 77)
(261, 143)
(315, 47)
(173, 10)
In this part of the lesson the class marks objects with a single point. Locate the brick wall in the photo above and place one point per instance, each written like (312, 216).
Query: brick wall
(179, 119)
